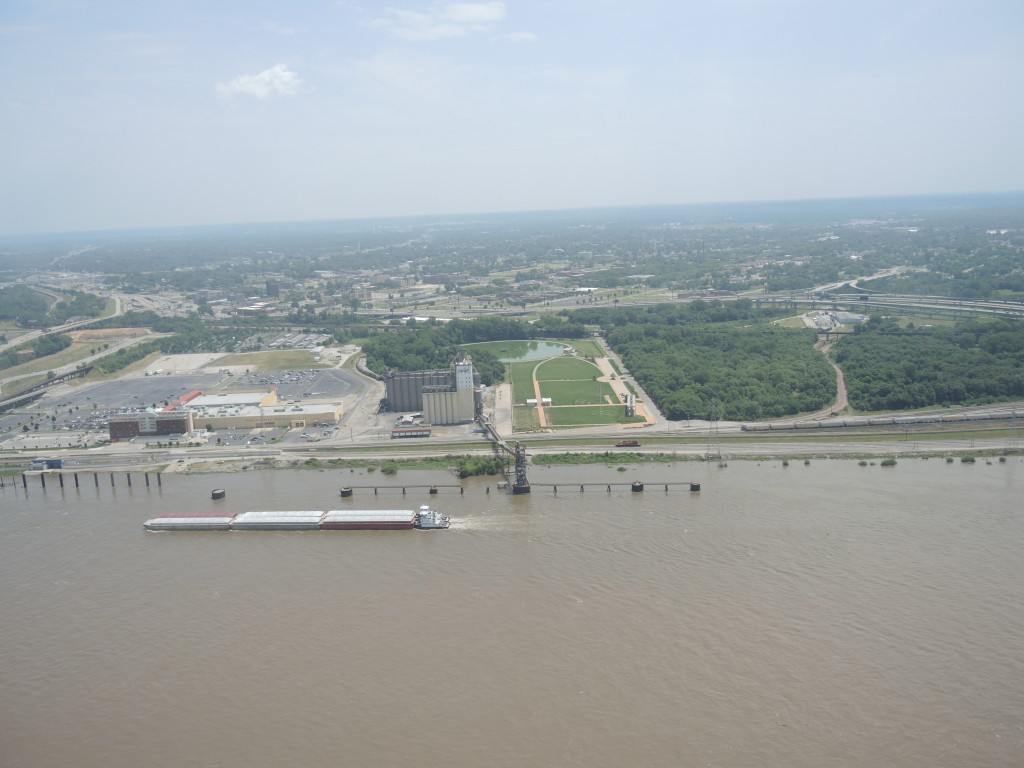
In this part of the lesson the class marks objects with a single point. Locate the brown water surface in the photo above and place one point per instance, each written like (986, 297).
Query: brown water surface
(823, 615)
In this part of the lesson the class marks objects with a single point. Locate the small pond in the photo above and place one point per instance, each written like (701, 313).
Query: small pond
(520, 351)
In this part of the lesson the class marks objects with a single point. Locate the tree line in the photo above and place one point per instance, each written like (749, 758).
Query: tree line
(753, 371)
(425, 347)
(689, 357)
(33, 350)
(972, 362)
(31, 309)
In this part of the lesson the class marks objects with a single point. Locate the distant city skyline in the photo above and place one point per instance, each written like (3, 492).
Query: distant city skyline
(117, 115)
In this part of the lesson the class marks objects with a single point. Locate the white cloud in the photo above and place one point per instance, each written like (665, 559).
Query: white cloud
(521, 37)
(475, 13)
(443, 20)
(276, 81)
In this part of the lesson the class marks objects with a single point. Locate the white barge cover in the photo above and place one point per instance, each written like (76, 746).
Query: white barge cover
(198, 521)
(287, 520)
(370, 515)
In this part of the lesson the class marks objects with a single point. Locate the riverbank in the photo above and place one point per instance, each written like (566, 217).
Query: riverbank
(612, 459)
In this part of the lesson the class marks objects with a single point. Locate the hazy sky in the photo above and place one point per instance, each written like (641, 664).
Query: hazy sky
(146, 112)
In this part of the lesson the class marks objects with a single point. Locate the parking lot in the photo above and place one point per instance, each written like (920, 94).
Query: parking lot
(67, 411)
(317, 384)
(314, 341)
(78, 415)
(238, 437)
(130, 393)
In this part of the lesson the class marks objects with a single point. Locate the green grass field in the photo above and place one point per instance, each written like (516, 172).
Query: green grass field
(138, 365)
(522, 381)
(582, 392)
(567, 369)
(567, 381)
(524, 418)
(588, 415)
(16, 387)
(284, 360)
(586, 347)
(77, 351)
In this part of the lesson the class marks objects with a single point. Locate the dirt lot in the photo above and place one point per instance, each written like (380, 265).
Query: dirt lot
(107, 334)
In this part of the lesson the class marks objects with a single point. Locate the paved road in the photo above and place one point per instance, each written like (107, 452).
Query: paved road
(118, 311)
(6, 382)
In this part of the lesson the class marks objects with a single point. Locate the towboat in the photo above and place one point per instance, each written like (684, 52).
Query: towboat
(429, 519)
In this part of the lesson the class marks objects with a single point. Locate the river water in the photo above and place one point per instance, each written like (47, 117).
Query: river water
(822, 615)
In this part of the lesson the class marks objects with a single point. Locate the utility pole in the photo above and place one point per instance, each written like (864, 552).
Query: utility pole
(714, 449)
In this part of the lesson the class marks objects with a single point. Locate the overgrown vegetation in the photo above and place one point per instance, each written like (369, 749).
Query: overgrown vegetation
(687, 357)
(33, 350)
(426, 347)
(471, 466)
(606, 457)
(191, 334)
(125, 357)
(976, 361)
(31, 309)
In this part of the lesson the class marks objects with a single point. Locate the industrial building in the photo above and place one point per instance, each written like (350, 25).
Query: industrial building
(244, 410)
(124, 426)
(259, 409)
(451, 396)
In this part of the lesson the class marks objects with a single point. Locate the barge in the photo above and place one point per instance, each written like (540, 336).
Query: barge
(196, 521)
(364, 520)
(425, 518)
